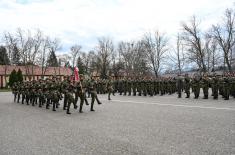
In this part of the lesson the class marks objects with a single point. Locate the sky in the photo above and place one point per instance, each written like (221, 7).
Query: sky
(84, 21)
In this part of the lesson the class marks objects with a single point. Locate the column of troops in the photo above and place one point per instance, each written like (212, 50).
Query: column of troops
(219, 85)
(49, 92)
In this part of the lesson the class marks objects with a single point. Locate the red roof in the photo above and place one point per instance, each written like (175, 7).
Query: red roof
(36, 70)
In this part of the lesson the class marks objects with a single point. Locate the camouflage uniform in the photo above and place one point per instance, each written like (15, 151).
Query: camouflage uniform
(215, 87)
(179, 86)
(226, 88)
(196, 87)
(205, 86)
(187, 86)
(110, 88)
(92, 86)
(70, 98)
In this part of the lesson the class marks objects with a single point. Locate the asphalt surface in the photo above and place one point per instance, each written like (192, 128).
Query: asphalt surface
(127, 125)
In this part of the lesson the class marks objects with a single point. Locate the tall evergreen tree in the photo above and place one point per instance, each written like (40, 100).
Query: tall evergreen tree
(4, 59)
(12, 78)
(80, 66)
(19, 76)
(52, 60)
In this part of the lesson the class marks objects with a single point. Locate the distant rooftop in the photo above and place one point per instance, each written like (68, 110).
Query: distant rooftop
(37, 70)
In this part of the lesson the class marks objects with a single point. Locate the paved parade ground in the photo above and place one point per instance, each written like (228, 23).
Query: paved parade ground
(127, 125)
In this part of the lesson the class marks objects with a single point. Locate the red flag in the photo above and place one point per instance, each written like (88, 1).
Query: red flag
(76, 74)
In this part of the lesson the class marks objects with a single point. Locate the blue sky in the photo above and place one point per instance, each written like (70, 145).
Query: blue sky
(83, 21)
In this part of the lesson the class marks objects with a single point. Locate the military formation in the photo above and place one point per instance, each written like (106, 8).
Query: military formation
(219, 85)
(50, 92)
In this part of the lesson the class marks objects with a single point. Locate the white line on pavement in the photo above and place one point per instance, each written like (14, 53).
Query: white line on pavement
(178, 105)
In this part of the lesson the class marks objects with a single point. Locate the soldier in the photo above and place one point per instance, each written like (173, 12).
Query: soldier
(196, 86)
(173, 85)
(92, 86)
(80, 92)
(179, 85)
(232, 90)
(151, 87)
(70, 98)
(205, 86)
(104, 90)
(33, 96)
(125, 86)
(161, 86)
(156, 86)
(14, 90)
(84, 84)
(41, 97)
(23, 92)
(215, 86)
(134, 86)
(19, 84)
(27, 90)
(187, 85)
(110, 87)
(144, 86)
(78, 89)
(226, 87)
(120, 86)
(115, 86)
(139, 86)
(87, 90)
(56, 96)
(221, 86)
(129, 86)
(64, 86)
(98, 86)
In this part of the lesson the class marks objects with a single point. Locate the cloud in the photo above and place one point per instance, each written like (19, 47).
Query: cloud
(83, 21)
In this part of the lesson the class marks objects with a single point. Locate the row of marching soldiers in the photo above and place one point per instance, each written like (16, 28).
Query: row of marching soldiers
(223, 85)
(139, 86)
(50, 91)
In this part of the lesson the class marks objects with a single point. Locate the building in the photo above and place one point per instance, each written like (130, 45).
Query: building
(32, 72)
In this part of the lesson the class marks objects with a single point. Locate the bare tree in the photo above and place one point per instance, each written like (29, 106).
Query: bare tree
(177, 56)
(46, 46)
(43, 55)
(192, 36)
(10, 44)
(127, 54)
(54, 45)
(156, 46)
(141, 66)
(94, 65)
(224, 34)
(104, 49)
(26, 44)
(75, 52)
